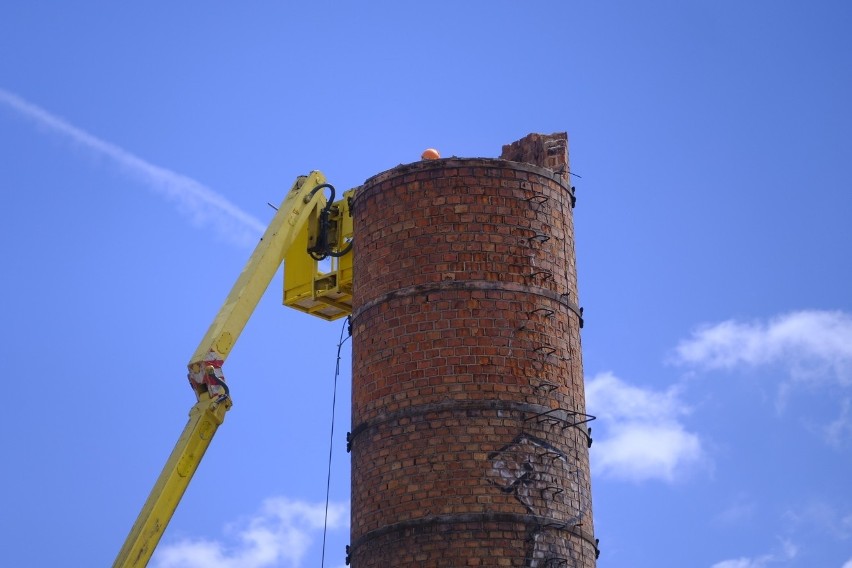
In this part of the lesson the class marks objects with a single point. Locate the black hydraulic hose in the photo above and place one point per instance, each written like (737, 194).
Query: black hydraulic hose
(343, 252)
(324, 186)
(212, 374)
(320, 250)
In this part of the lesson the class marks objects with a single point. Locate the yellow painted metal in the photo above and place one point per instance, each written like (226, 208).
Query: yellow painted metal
(299, 270)
(204, 418)
(291, 218)
(307, 287)
(209, 412)
(346, 235)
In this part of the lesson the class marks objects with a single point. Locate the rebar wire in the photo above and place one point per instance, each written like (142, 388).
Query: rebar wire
(340, 343)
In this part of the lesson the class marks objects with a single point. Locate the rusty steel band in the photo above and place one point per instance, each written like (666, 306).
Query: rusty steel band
(533, 521)
(477, 285)
(522, 408)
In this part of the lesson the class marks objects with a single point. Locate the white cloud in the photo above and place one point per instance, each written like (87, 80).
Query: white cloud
(737, 563)
(823, 516)
(812, 345)
(841, 428)
(847, 564)
(812, 349)
(278, 535)
(205, 207)
(739, 512)
(787, 552)
(643, 437)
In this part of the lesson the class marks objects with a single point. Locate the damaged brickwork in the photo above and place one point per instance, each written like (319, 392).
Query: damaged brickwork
(469, 435)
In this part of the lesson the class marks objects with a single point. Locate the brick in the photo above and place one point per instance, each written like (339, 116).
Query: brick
(453, 360)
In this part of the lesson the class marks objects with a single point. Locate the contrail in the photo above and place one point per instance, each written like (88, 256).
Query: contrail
(205, 207)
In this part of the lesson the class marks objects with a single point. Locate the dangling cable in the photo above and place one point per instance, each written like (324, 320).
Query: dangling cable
(340, 343)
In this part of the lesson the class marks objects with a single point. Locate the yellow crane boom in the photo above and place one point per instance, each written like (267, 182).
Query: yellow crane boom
(304, 202)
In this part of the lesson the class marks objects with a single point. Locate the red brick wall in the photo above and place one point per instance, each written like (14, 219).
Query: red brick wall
(469, 446)
(546, 150)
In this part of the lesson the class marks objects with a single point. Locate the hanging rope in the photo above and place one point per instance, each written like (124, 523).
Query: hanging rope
(346, 324)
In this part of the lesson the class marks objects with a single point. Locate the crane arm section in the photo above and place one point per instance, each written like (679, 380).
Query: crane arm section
(297, 207)
(205, 369)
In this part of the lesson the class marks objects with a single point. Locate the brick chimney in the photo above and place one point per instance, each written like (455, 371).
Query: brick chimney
(469, 435)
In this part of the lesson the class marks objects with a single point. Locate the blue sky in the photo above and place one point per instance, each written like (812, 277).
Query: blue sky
(140, 145)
